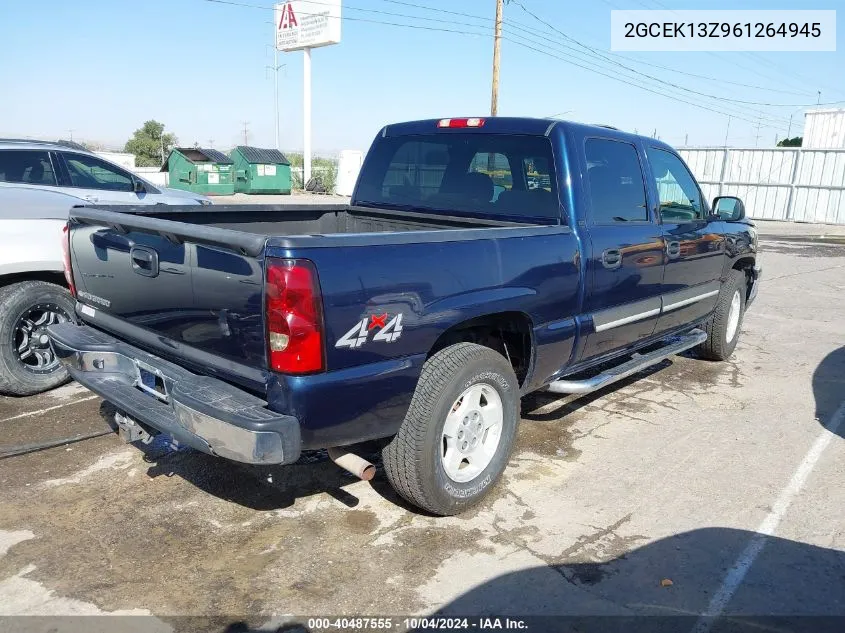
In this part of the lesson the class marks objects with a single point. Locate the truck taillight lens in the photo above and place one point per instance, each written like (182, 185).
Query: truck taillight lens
(66, 258)
(294, 317)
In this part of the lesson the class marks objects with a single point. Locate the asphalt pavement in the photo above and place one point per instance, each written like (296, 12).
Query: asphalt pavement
(696, 488)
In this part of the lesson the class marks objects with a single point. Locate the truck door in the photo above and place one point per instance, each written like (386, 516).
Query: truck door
(625, 266)
(695, 247)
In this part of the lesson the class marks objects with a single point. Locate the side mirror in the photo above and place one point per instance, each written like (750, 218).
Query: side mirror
(729, 208)
(138, 186)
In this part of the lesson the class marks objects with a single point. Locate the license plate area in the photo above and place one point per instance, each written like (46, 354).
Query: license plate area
(152, 382)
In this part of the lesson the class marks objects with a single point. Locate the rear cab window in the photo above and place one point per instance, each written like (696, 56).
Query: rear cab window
(470, 173)
(31, 167)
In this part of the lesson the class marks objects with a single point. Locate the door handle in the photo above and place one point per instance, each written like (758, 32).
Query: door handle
(673, 249)
(611, 258)
(144, 261)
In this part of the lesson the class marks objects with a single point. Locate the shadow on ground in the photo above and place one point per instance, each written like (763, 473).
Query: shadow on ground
(662, 587)
(829, 391)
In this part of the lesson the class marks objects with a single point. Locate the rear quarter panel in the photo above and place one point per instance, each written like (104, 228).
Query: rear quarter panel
(434, 286)
(30, 246)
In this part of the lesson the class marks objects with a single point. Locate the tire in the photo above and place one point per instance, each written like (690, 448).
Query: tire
(722, 331)
(29, 306)
(418, 459)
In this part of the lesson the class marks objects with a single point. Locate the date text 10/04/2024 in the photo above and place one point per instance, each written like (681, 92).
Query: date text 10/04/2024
(417, 624)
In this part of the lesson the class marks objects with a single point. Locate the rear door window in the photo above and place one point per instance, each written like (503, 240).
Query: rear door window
(617, 188)
(31, 167)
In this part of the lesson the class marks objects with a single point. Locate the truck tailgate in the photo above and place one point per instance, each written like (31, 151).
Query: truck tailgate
(188, 292)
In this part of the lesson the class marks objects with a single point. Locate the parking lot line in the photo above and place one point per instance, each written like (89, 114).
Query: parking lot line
(767, 527)
(45, 410)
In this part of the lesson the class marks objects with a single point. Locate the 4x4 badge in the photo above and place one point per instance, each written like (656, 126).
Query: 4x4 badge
(387, 331)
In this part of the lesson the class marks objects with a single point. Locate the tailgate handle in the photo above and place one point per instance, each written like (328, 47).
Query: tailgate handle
(144, 260)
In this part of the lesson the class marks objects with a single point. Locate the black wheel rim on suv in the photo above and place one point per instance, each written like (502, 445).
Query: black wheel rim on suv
(31, 343)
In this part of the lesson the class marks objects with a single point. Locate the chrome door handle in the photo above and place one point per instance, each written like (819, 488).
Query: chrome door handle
(673, 249)
(611, 258)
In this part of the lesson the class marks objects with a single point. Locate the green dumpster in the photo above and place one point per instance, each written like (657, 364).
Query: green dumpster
(200, 170)
(259, 170)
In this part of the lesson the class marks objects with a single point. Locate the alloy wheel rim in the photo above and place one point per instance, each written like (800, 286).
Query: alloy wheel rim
(733, 317)
(30, 340)
(472, 432)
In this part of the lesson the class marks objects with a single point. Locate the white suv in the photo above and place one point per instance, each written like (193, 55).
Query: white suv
(73, 170)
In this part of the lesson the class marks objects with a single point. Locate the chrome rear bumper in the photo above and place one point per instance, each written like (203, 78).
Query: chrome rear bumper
(205, 413)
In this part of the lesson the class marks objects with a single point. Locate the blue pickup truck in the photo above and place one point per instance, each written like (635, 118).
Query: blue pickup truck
(479, 260)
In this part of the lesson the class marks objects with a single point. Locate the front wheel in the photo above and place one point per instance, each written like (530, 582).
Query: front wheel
(724, 325)
(458, 433)
(27, 363)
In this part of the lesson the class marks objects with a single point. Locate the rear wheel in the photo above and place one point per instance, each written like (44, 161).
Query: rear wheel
(27, 362)
(458, 433)
(724, 325)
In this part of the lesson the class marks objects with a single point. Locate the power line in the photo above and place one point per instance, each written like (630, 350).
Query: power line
(524, 27)
(515, 41)
(685, 88)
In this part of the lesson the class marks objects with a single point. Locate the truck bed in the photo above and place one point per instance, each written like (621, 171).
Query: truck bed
(310, 219)
(187, 282)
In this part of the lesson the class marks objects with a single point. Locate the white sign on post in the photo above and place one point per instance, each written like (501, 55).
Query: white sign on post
(304, 24)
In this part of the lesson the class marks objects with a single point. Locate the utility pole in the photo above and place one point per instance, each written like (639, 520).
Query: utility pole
(246, 132)
(686, 139)
(161, 142)
(757, 137)
(71, 133)
(819, 100)
(497, 39)
(211, 143)
(727, 130)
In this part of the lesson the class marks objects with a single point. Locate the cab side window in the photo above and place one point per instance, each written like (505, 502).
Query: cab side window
(92, 173)
(617, 188)
(680, 197)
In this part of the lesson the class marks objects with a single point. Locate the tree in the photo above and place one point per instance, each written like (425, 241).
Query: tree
(150, 144)
(791, 142)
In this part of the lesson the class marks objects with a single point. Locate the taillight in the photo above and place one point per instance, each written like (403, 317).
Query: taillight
(294, 317)
(66, 258)
(460, 123)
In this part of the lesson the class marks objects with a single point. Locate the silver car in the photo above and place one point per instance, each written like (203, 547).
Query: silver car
(73, 170)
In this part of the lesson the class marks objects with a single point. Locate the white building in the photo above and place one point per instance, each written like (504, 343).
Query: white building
(123, 159)
(824, 129)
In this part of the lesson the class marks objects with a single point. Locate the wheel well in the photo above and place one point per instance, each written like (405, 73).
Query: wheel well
(509, 333)
(746, 264)
(52, 277)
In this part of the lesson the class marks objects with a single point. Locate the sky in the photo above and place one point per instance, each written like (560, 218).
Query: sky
(97, 69)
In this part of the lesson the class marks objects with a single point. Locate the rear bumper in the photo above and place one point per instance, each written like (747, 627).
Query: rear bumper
(205, 413)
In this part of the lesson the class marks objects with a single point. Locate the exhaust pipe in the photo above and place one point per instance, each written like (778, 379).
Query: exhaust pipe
(352, 463)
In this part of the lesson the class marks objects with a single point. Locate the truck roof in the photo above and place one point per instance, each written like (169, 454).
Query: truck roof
(509, 125)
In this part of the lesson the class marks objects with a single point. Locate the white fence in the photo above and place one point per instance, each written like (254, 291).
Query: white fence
(153, 174)
(801, 185)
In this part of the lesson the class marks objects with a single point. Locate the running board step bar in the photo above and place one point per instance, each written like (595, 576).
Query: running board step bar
(637, 363)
